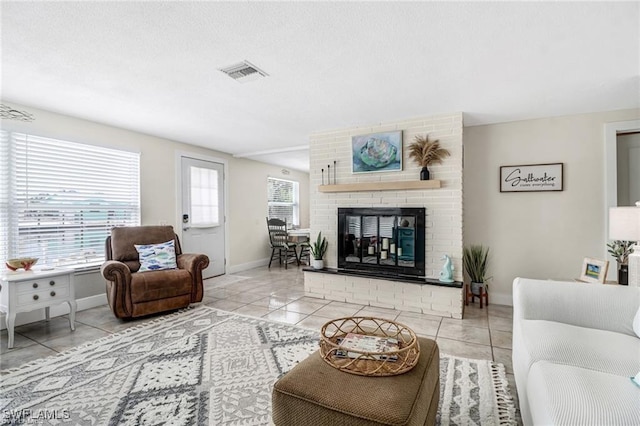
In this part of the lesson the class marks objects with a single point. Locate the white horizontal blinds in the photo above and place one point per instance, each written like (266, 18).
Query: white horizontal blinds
(283, 200)
(353, 225)
(5, 164)
(66, 197)
(370, 226)
(204, 197)
(387, 223)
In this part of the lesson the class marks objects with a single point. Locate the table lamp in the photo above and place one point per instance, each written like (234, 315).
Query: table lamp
(624, 224)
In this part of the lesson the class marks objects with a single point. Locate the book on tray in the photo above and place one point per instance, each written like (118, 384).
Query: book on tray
(368, 343)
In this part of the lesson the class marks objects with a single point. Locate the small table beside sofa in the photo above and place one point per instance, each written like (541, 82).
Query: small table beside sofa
(36, 289)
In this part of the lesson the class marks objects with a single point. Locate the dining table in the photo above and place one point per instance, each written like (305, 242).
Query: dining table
(300, 234)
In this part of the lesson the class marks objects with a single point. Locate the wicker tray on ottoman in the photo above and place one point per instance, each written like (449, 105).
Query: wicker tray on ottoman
(364, 363)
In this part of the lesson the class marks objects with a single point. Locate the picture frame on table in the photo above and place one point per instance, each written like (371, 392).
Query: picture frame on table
(594, 270)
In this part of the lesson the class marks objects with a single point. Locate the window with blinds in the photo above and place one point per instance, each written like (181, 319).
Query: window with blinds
(59, 200)
(283, 200)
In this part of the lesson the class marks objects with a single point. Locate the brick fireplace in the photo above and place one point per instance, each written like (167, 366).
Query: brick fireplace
(443, 222)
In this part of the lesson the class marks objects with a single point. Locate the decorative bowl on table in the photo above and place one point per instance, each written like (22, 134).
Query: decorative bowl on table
(22, 262)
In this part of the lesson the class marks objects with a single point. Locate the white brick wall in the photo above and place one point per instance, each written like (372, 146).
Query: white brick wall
(427, 299)
(444, 206)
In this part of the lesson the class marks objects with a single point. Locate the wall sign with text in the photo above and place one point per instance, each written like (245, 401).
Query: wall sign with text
(531, 177)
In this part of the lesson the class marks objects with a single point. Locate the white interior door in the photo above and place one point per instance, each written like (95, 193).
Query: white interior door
(203, 219)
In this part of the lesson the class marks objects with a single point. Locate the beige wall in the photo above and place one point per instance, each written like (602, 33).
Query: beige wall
(543, 234)
(247, 179)
(248, 198)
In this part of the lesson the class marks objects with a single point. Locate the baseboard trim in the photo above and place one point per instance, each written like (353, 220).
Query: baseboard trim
(55, 310)
(249, 265)
(500, 299)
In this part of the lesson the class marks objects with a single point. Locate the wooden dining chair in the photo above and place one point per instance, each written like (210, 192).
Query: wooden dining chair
(281, 247)
(305, 251)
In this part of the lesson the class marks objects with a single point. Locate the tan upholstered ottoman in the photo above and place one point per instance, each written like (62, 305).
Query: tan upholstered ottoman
(313, 393)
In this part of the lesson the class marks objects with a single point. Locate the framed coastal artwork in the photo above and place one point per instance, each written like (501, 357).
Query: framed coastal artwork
(531, 178)
(377, 152)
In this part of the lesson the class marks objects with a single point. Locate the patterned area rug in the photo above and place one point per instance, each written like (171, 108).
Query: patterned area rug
(207, 367)
(474, 392)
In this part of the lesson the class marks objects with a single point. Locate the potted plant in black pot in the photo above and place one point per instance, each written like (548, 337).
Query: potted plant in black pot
(621, 250)
(318, 249)
(475, 259)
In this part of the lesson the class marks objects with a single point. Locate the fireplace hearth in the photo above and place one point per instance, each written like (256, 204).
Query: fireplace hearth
(382, 241)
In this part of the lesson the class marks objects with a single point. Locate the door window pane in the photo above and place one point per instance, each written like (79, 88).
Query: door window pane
(204, 197)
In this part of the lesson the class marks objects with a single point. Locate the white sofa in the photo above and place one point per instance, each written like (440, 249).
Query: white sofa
(574, 351)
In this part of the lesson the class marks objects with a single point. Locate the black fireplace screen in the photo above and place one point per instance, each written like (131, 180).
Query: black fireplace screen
(386, 240)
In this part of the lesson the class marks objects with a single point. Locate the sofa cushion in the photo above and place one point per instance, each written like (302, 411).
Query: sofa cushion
(636, 323)
(568, 395)
(157, 257)
(154, 285)
(605, 351)
(604, 307)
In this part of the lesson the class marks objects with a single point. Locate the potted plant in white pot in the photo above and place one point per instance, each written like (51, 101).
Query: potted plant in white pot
(475, 260)
(318, 249)
(621, 250)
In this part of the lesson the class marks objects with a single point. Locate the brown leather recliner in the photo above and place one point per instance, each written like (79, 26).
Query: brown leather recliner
(135, 294)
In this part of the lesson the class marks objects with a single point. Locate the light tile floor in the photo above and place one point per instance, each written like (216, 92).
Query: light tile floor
(277, 294)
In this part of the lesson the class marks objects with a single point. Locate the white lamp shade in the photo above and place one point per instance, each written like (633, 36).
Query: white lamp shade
(624, 223)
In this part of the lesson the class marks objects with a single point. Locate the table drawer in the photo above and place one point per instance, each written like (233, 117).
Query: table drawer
(44, 295)
(39, 285)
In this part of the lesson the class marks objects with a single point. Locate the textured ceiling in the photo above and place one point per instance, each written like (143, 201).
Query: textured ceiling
(152, 66)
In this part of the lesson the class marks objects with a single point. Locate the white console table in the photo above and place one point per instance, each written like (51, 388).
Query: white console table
(30, 290)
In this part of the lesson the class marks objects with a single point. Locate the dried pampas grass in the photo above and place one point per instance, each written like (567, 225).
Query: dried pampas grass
(426, 152)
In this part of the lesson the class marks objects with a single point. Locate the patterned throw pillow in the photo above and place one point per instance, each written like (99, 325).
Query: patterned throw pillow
(155, 257)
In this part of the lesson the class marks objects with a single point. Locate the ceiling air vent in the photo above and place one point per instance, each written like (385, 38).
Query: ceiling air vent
(244, 72)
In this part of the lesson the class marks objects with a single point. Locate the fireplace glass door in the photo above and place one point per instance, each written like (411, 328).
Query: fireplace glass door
(388, 241)
(380, 240)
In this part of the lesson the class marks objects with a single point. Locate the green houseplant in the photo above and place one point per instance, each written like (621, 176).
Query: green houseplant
(475, 259)
(620, 250)
(318, 249)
